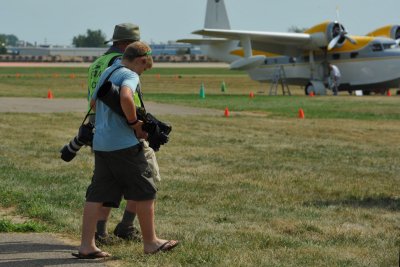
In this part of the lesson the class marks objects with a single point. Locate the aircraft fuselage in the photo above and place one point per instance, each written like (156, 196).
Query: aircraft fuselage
(375, 66)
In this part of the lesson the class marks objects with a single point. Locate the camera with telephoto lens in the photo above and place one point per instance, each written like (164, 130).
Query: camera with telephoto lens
(84, 138)
(158, 131)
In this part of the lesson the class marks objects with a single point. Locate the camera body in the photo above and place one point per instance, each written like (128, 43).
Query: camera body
(84, 138)
(158, 131)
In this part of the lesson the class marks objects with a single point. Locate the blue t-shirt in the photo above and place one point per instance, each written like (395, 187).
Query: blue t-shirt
(112, 131)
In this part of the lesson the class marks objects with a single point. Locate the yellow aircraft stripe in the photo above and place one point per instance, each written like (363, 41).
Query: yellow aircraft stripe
(384, 31)
(318, 28)
(362, 41)
(240, 53)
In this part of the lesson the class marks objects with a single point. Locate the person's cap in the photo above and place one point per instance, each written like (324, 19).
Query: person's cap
(125, 31)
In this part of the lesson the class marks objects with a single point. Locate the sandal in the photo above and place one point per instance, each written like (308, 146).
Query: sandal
(94, 255)
(167, 246)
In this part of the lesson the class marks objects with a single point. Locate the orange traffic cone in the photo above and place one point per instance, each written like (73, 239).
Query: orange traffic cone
(388, 93)
(312, 93)
(226, 113)
(49, 94)
(251, 95)
(301, 114)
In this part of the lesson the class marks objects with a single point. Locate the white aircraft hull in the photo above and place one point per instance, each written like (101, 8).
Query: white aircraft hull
(378, 72)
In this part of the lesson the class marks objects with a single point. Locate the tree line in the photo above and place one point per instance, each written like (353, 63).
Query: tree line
(7, 39)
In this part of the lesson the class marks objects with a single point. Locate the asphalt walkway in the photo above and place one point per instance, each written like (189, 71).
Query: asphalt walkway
(44, 105)
(40, 249)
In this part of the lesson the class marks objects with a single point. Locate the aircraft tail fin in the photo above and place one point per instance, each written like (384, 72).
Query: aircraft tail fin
(216, 48)
(216, 15)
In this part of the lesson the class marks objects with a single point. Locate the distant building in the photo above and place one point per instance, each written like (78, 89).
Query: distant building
(174, 49)
(57, 51)
(161, 52)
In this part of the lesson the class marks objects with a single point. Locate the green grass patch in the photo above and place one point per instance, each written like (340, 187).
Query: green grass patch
(30, 226)
(239, 191)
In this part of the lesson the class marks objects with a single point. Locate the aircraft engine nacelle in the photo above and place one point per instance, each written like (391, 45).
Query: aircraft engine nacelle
(389, 31)
(327, 33)
(247, 63)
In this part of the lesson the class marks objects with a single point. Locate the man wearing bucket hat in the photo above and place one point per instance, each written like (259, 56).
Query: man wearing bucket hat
(124, 34)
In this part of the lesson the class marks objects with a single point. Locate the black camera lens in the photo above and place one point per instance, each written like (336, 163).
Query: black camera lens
(68, 152)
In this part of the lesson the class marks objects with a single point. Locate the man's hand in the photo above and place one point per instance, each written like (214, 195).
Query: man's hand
(140, 134)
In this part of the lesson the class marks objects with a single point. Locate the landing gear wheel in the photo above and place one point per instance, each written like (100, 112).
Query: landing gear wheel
(309, 88)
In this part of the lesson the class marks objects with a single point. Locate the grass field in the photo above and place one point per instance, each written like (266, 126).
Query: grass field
(71, 82)
(259, 188)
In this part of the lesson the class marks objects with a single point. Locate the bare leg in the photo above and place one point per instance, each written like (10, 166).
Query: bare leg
(90, 215)
(145, 212)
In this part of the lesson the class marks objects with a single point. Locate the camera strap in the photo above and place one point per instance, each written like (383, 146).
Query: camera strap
(108, 77)
(87, 115)
(140, 95)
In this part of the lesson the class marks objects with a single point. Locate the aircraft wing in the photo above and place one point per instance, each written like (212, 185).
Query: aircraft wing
(291, 44)
(204, 41)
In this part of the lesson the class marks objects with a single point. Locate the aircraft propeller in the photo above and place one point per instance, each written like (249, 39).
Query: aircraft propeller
(340, 34)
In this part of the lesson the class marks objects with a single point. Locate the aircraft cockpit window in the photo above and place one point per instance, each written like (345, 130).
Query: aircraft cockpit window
(377, 47)
(389, 46)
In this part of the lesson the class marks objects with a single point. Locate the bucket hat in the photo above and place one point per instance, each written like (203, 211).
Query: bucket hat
(125, 31)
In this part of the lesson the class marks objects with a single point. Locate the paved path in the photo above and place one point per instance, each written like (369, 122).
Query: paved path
(44, 105)
(36, 250)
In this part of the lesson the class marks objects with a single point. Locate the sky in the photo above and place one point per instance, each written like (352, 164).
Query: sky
(56, 22)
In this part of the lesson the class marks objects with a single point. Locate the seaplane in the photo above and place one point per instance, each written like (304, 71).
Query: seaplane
(368, 63)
